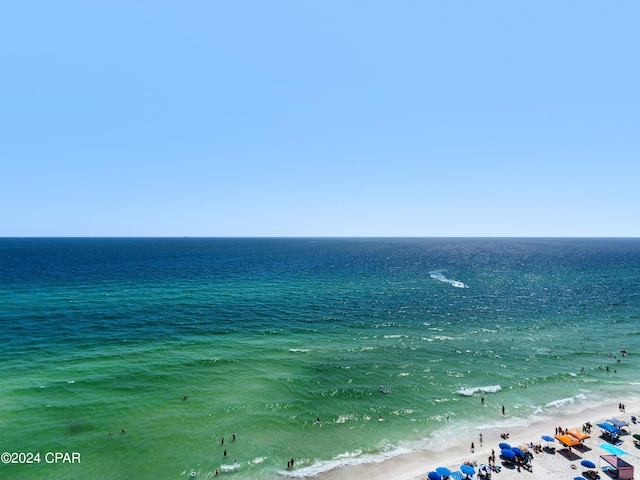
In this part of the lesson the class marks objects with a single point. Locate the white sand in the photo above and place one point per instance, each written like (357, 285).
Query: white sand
(416, 465)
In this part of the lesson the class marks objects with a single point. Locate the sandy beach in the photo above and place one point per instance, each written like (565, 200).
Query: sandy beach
(557, 465)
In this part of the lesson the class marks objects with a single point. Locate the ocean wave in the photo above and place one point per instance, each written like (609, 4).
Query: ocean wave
(229, 468)
(348, 458)
(564, 401)
(299, 350)
(438, 275)
(468, 392)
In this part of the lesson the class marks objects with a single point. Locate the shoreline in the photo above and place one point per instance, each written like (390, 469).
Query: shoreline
(416, 464)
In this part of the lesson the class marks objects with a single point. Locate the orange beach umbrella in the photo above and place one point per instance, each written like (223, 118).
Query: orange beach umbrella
(574, 432)
(568, 440)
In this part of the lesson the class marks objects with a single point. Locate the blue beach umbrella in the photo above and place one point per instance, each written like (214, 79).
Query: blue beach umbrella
(547, 438)
(445, 472)
(467, 469)
(517, 452)
(588, 464)
(434, 476)
(508, 453)
(504, 446)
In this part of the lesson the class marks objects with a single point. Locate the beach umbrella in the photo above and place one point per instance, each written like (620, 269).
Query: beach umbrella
(636, 436)
(617, 423)
(467, 469)
(508, 453)
(609, 428)
(547, 438)
(504, 446)
(588, 464)
(434, 476)
(517, 452)
(568, 440)
(445, 472)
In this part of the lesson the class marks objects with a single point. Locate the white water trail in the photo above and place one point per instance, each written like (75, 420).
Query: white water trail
(438, 275)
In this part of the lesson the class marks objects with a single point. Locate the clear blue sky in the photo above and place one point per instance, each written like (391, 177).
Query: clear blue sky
(319, 118)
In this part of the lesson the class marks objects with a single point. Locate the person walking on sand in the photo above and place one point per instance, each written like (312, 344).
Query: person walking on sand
(472, 447)
(480, 438)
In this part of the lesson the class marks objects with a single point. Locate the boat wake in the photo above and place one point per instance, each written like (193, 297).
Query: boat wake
(438, 275)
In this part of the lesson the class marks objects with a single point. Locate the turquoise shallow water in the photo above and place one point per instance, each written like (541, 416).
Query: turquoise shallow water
(267, 335)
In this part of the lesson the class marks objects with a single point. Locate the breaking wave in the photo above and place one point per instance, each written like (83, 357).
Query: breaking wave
(472, 390)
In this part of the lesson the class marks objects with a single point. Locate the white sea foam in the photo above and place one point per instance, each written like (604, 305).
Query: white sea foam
(472, 390)
(564, 401)
(229, 468)
(301, 350)
(438, 275)
(440, 440)
(348, 458)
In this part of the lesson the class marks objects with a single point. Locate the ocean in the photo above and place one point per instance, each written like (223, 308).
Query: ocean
(286, 343)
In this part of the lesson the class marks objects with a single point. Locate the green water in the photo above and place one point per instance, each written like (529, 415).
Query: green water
(265, 337)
